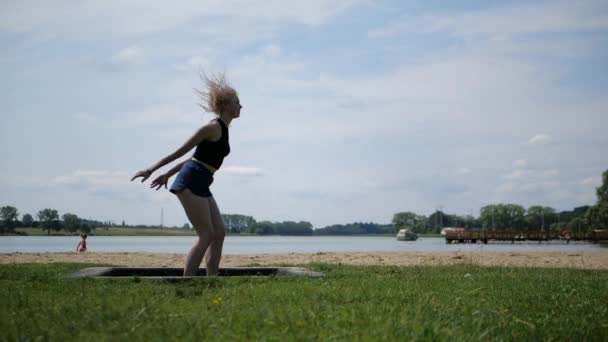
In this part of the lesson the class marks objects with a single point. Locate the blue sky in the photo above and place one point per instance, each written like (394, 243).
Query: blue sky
(353, 110)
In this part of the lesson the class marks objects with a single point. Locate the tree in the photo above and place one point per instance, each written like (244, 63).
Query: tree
(86, 227)
(356, 229)
(238, 223)
(293, 228)
(540, 218)
(602, 191)
(27, 220)
(8, 218)
(406, 219)
(49, 219)
(577, 224)
(502, 217)
(71, 222)
(471, 221)
(597, 215)
(439, 220)
(262, 228)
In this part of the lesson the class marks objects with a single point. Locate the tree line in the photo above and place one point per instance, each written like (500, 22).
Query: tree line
(48, 219)
(508, 216)
(243, 224)
(239, 224)
(501, 216)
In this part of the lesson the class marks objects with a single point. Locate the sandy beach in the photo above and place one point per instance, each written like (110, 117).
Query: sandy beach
(567, 260)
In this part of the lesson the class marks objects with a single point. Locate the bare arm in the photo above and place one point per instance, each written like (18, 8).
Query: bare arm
(163, 179)
(175, 169)
(206, 132)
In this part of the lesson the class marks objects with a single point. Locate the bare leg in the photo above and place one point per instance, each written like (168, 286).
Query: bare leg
(197, 211)
(214, 253)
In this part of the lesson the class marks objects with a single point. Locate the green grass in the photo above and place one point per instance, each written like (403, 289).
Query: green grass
(352, 303)
(430, 235)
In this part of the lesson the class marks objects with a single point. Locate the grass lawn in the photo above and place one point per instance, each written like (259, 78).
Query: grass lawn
(352, 303)
(431, 235)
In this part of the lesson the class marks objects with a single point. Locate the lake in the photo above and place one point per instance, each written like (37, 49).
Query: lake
(276, 244)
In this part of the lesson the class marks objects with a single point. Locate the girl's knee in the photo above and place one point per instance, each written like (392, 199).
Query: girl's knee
(220, 234)
(205, 232)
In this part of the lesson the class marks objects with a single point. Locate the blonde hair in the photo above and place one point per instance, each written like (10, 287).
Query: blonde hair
(218, 93)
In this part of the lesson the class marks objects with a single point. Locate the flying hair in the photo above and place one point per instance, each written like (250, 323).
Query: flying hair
(216, 94)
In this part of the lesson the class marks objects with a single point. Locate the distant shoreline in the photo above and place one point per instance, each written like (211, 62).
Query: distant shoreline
(164, 232)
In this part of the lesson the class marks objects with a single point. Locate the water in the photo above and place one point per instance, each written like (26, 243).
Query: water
(276, 244)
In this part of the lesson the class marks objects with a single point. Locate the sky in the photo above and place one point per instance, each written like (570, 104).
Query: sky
(353, 110)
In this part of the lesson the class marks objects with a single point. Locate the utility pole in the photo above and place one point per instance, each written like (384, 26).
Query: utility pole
(161, 218)
(543, 218)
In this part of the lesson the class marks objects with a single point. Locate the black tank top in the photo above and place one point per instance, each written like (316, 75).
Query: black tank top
(213, 152)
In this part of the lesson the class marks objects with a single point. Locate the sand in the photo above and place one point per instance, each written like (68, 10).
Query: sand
(583, 260)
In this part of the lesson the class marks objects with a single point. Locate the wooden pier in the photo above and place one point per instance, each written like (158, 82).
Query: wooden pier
(470, 236)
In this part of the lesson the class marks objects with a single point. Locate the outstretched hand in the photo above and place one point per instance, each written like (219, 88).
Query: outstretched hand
(160, 181)
(144, 174)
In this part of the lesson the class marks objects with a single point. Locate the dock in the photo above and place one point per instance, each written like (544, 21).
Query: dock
(469, 236)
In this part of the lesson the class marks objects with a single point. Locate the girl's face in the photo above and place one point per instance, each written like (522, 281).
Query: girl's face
(234, 107)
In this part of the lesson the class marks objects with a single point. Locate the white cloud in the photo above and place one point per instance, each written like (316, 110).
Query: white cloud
(533, 186)
(92, 179)
(467, 91)
(162, 115)
(268, 64)
(523, 180)
(128, 56)
(87, 117)
(549, 173)
(463, 171)
(499, 22)
(517, 174)
(131, 54)
(87, 180)
(521, 174)
(24, 16)
(195, 63)
(138, 17)
(540, 139)
(506, 187)
(30, 181)
(591, 181)
(116, 185)
(520, 163)
(539, 186)
(272, 50)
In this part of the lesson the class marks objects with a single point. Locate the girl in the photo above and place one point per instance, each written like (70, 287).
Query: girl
(82, 245)
(196, 174)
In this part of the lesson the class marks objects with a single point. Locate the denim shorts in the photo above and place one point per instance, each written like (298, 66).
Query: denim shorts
(195, 177)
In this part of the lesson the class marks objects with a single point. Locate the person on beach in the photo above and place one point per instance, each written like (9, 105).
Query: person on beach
(191, 186)
(82, 245)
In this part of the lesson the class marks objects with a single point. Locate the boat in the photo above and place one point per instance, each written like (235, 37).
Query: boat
(406, 235)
